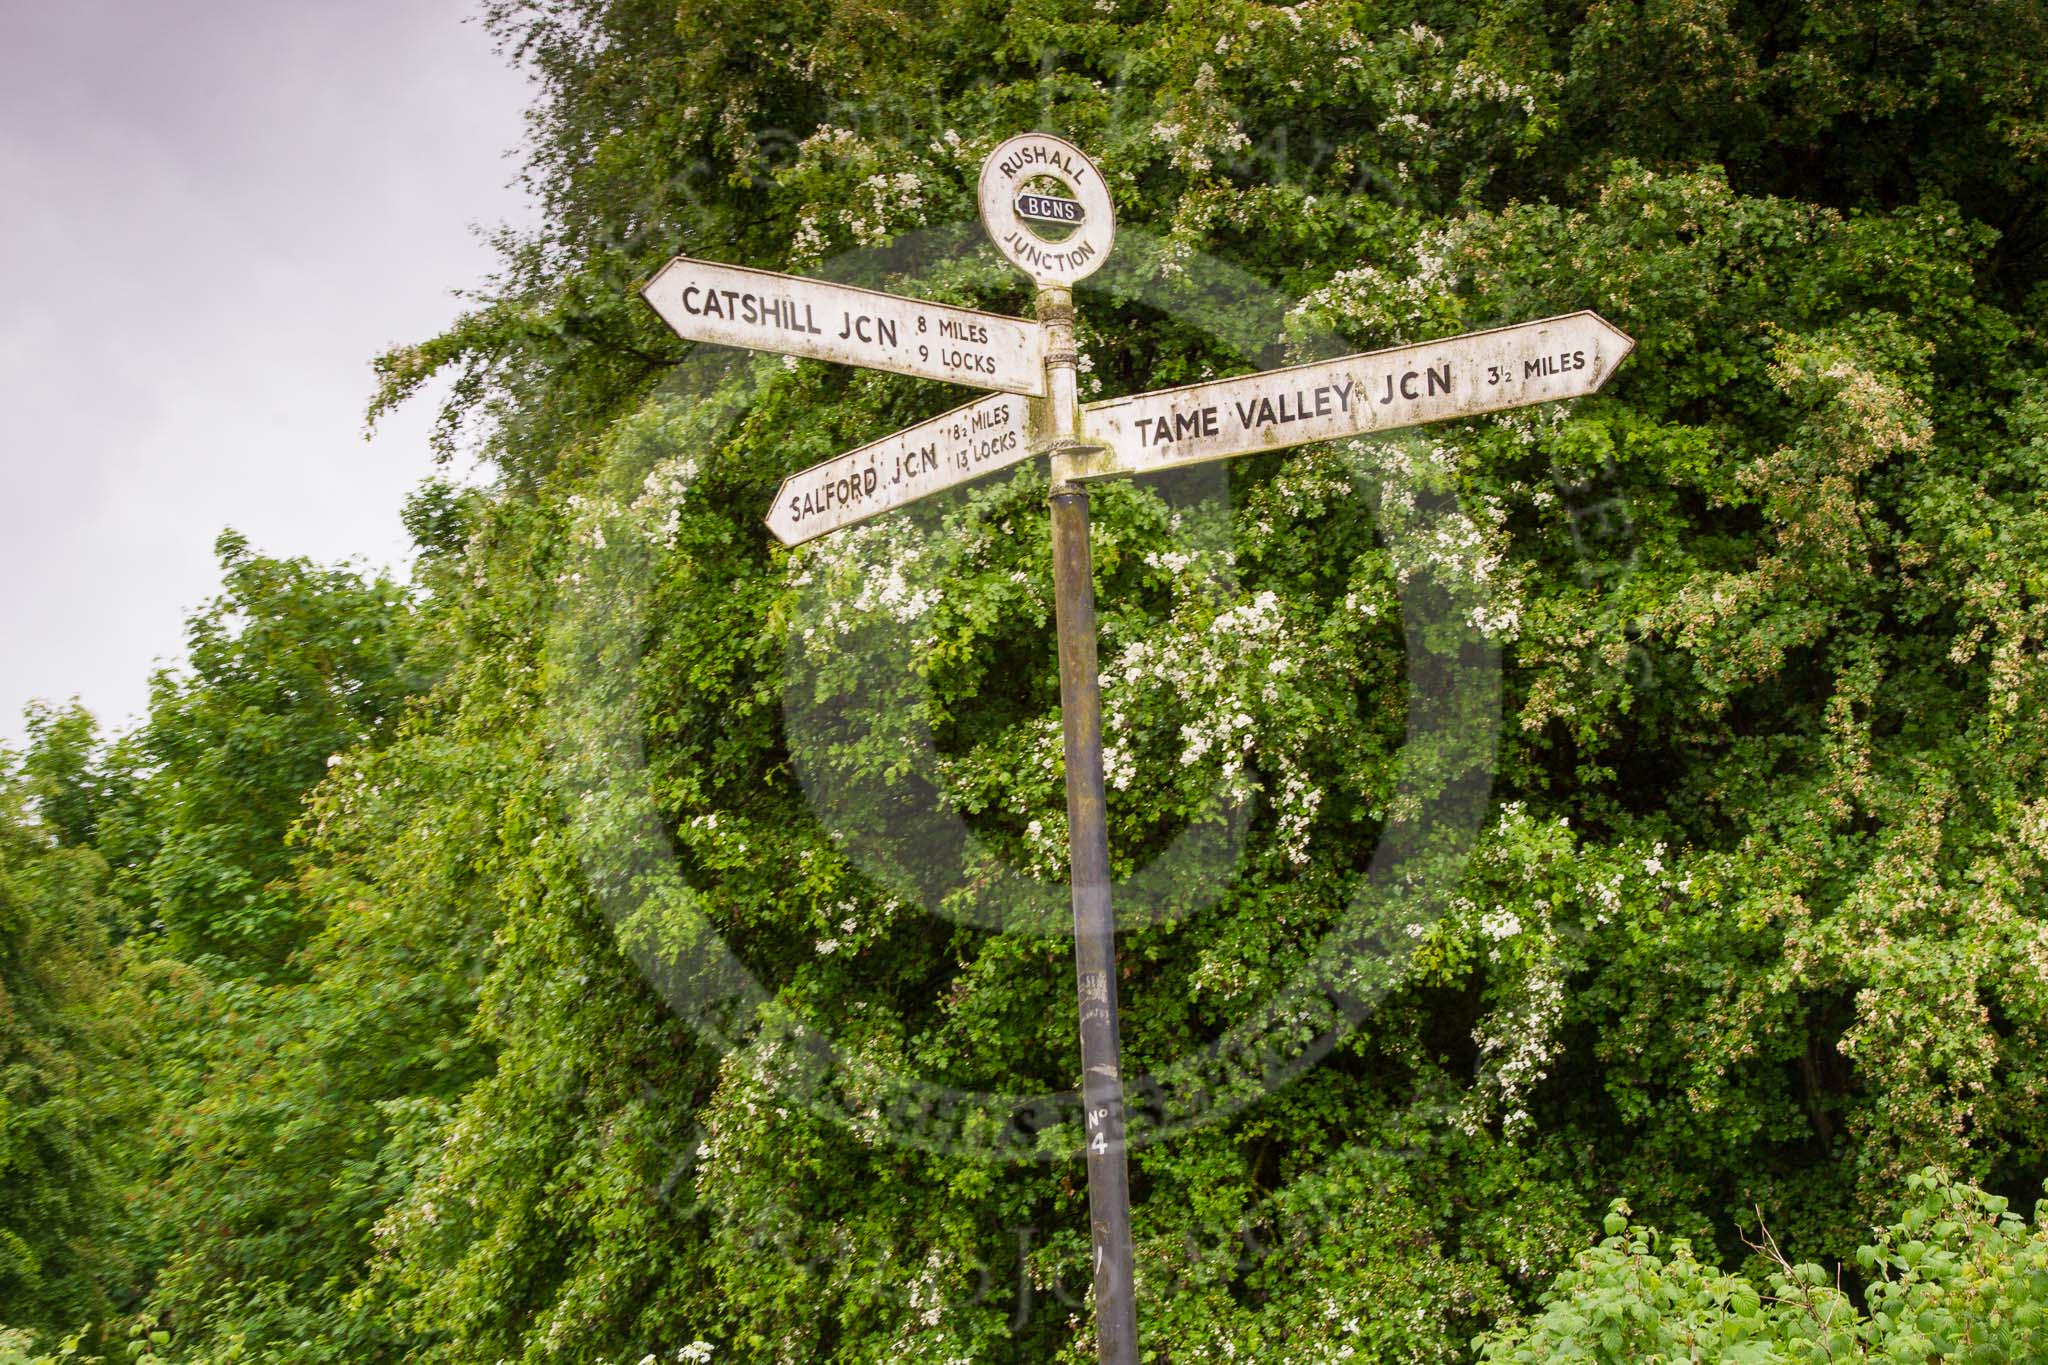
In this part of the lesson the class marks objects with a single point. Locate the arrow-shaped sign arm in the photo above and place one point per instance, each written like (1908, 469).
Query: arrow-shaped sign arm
(1463, 376)
(974, 439)
(790, 315)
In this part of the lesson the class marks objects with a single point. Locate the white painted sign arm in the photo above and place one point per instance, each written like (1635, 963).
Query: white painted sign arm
(974, 439)
(787, 314)
(1462, 376)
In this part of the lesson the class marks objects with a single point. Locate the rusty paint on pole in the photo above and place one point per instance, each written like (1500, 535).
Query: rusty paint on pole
(1102, 1087)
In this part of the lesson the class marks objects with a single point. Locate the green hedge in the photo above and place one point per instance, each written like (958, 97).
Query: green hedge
(1957, 1277)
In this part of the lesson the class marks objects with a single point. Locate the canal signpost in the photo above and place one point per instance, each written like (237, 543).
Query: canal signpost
(1048, 210)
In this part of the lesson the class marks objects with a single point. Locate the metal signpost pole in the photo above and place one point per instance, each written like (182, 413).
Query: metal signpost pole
(1013, 194)
(1102, 1086)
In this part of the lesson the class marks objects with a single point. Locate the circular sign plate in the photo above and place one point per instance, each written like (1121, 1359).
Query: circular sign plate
(1013, 199)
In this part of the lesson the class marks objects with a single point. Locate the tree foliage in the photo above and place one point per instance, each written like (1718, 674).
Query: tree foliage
(71, 1089)
(291, 667)
(588, 1012)
(1956, 1277)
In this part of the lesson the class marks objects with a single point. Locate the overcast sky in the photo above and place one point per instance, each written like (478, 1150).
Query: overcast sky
(213, 214)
